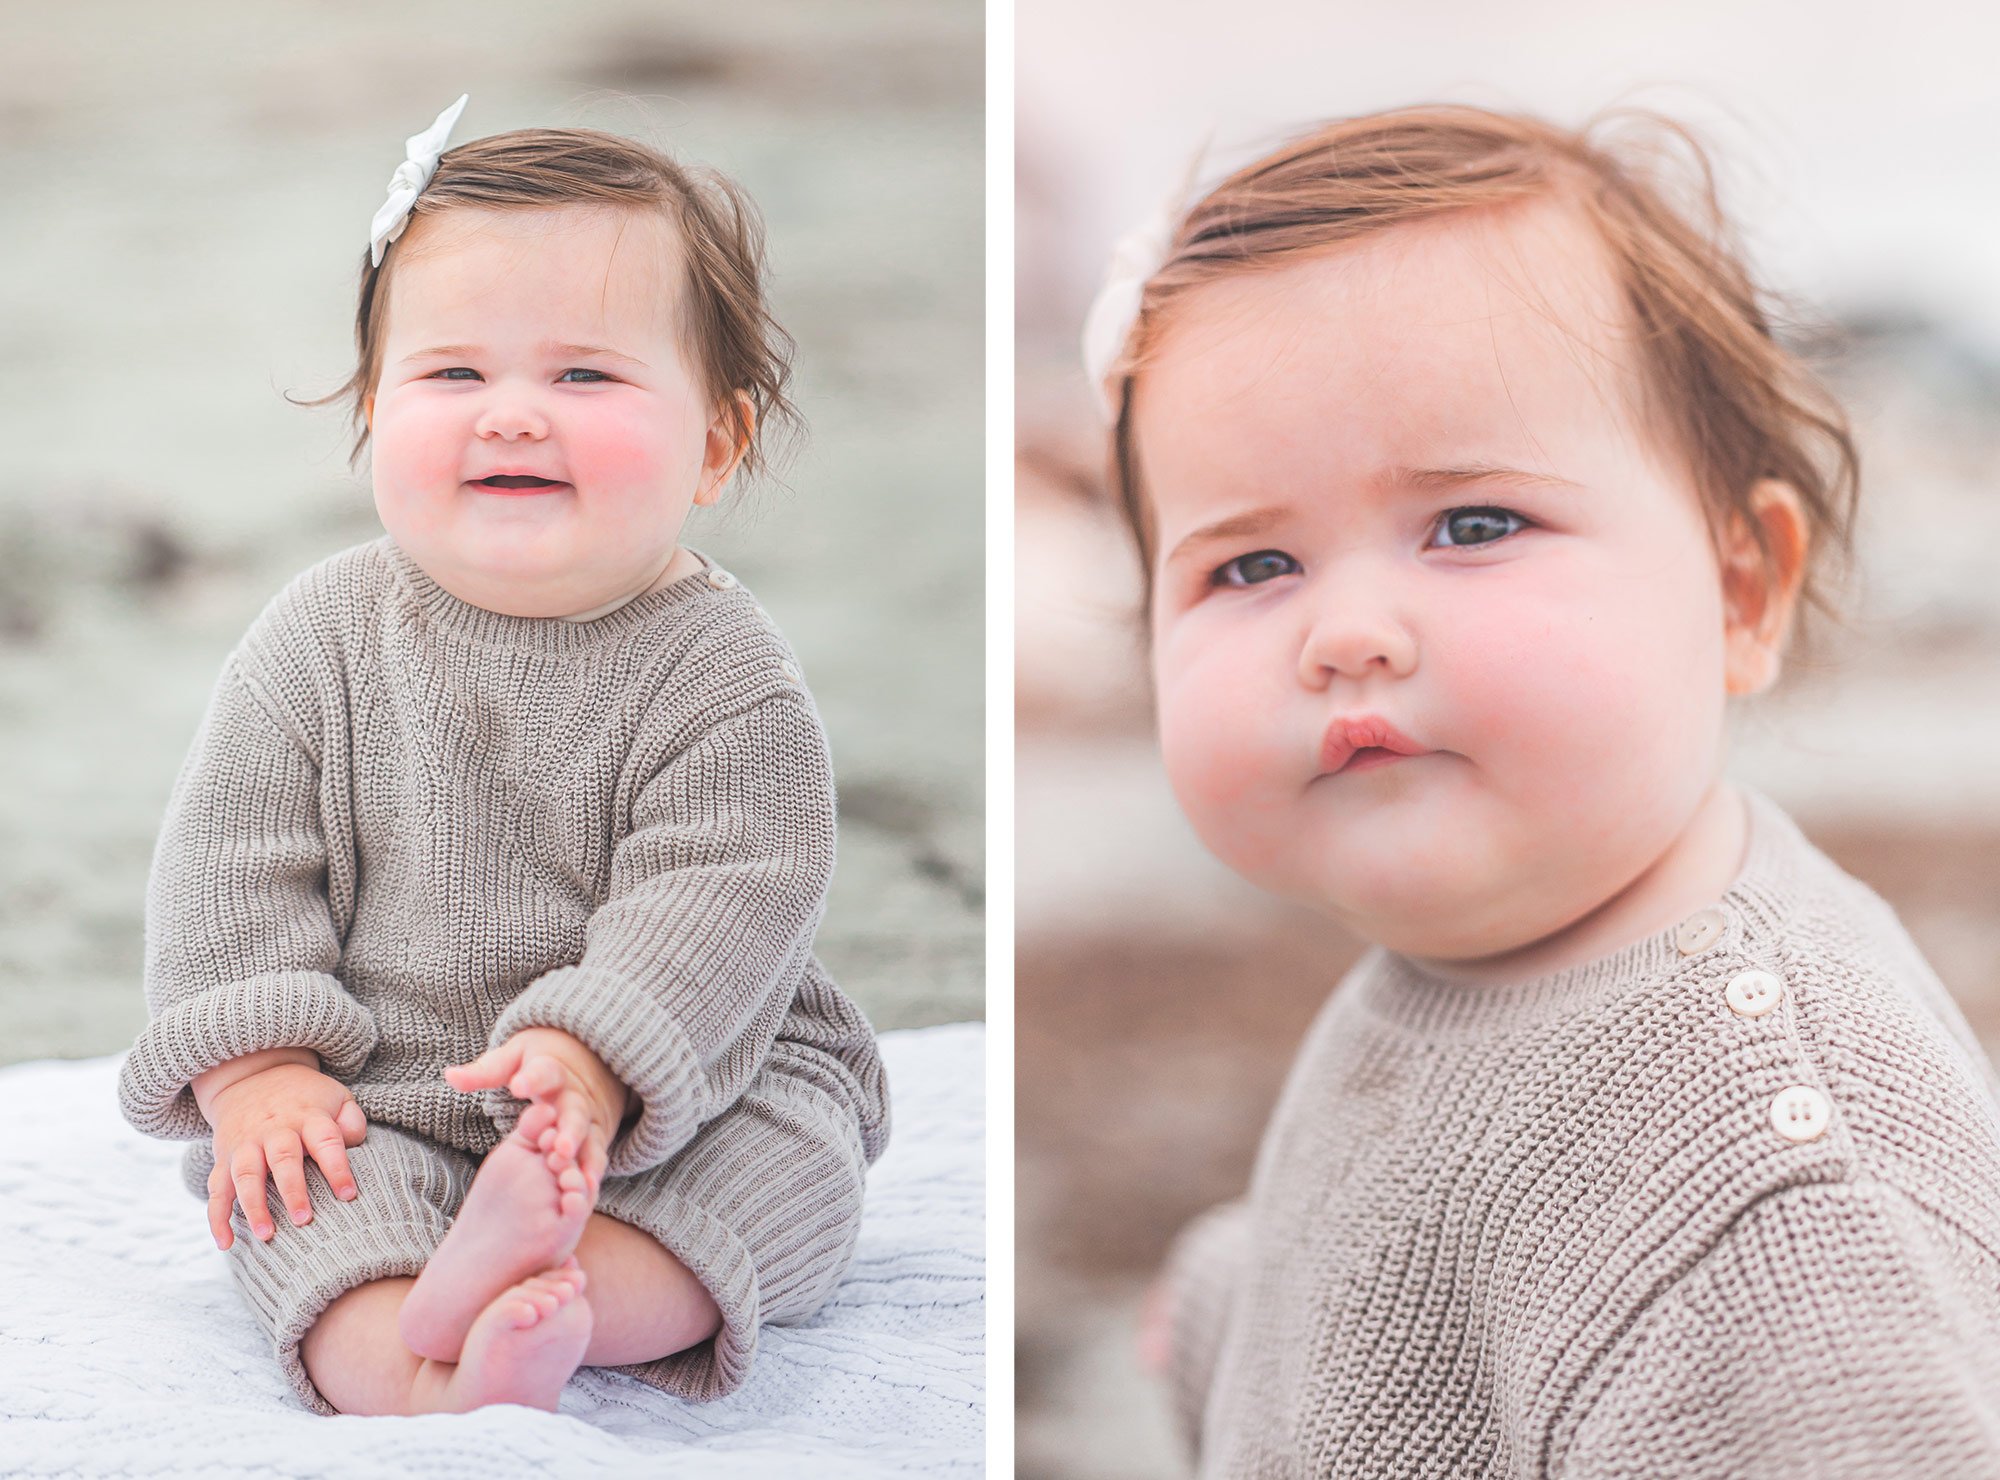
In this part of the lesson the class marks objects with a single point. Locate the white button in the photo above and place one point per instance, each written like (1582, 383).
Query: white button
(789, 669)
(719, 578)
(1753, 993)
(1800, 1113)
(1699, 931)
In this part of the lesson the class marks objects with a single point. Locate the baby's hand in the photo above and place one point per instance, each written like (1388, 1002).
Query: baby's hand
(271, 1119)
(577, 1100)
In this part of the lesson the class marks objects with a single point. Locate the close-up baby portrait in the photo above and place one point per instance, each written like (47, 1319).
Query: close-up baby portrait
(429, 991)
(1508, 964)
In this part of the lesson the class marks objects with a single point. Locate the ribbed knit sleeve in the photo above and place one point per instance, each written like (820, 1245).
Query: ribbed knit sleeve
(1201, 1274)
(1838, 1329)
(240, 944)
(764, 1203)
(689, 964)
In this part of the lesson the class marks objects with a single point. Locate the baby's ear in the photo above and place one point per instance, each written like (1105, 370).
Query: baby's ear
(729, 437)
(1760, 586)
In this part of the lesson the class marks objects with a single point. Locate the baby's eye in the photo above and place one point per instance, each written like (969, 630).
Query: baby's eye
(1254, 568)
(1480, 526)
(577, 370)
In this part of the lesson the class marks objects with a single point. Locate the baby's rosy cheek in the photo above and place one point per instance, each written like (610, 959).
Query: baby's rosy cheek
(621, 453)
(420, 451)
(1218, 763)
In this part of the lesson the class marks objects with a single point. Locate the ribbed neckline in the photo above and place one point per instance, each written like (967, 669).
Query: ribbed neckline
(1754, 908)
(454, 617)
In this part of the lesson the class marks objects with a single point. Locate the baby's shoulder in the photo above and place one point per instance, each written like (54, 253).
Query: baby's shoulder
(719, 659)
(1900, 1067)
(1823, 1048)
(305, 637)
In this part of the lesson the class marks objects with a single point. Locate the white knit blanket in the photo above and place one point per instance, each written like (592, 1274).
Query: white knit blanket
(126, 1350)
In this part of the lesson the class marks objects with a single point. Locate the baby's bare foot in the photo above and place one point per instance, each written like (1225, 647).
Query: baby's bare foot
(525, 1345)
(520, 1217)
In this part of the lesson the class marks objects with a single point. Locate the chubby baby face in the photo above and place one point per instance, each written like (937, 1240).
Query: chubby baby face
(541, 344)
(1401, 504)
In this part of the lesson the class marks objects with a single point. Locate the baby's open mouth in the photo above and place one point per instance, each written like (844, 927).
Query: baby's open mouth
(515, 480)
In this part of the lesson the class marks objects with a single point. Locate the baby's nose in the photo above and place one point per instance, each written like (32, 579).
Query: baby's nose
(1354, 641)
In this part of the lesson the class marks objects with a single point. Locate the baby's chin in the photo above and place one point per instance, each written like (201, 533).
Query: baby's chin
(1419, 905)
(518, 588)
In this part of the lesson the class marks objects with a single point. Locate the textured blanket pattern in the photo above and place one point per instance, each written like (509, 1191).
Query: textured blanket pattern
(126, 1350)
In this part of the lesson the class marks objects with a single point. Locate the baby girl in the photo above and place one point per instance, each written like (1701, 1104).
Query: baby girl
(1471, 485)
(480, 928)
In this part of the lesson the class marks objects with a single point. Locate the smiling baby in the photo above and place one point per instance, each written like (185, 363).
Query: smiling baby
(480, 928)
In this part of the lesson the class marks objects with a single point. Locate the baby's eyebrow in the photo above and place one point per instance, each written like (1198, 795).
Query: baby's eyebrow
(1230, 526)
(561, 349)
(1431, 479)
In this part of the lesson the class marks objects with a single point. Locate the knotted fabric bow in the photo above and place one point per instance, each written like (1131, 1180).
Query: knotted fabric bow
(412, 175)
(1138, 255)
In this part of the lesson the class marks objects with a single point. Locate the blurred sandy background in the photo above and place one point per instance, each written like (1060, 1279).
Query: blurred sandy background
(1158, 1000)
(188, 190)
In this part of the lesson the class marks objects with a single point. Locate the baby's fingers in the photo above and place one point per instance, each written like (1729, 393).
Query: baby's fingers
(573, 1125)
(541, 1075)
(221, 1198)
(323, 1139)
(353, 1124)
(536, 1120)
(246, 1171)
(288, 1169)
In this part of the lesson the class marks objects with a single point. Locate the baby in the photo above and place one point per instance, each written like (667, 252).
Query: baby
(1471, 485)
(481, 922)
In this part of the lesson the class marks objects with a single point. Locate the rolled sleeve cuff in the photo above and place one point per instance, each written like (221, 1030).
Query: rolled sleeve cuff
(637, 1039)
(288, 1009)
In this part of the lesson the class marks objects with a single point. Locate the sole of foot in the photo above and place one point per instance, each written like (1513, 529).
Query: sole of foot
(525, 1345)
(521, 1216)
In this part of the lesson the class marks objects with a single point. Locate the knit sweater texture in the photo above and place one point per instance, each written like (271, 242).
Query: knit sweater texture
(1655, 1215)
(410, 827)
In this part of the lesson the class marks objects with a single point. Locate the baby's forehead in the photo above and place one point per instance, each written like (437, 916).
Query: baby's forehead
(1542, 259)
(626, 261)
(1522, 306)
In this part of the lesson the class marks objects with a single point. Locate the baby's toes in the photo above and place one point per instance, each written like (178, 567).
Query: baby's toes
(536, 1302)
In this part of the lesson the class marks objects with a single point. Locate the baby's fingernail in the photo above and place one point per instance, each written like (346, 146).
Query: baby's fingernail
(264, 1230)
(347, 1194)
(299, 1215)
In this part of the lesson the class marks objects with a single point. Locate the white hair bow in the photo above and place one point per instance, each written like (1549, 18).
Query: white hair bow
(412, 175)
(1138, 255)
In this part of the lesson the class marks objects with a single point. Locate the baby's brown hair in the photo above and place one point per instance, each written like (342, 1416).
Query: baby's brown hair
(732, 340)
(1739, 405)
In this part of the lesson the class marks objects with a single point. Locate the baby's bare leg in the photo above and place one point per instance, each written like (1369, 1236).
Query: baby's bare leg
(522, 1348)
(645, 1302)
(358, 1362)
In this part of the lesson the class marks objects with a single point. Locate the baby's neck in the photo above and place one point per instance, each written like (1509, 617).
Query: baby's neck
(1694, 871)
(684, 562)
